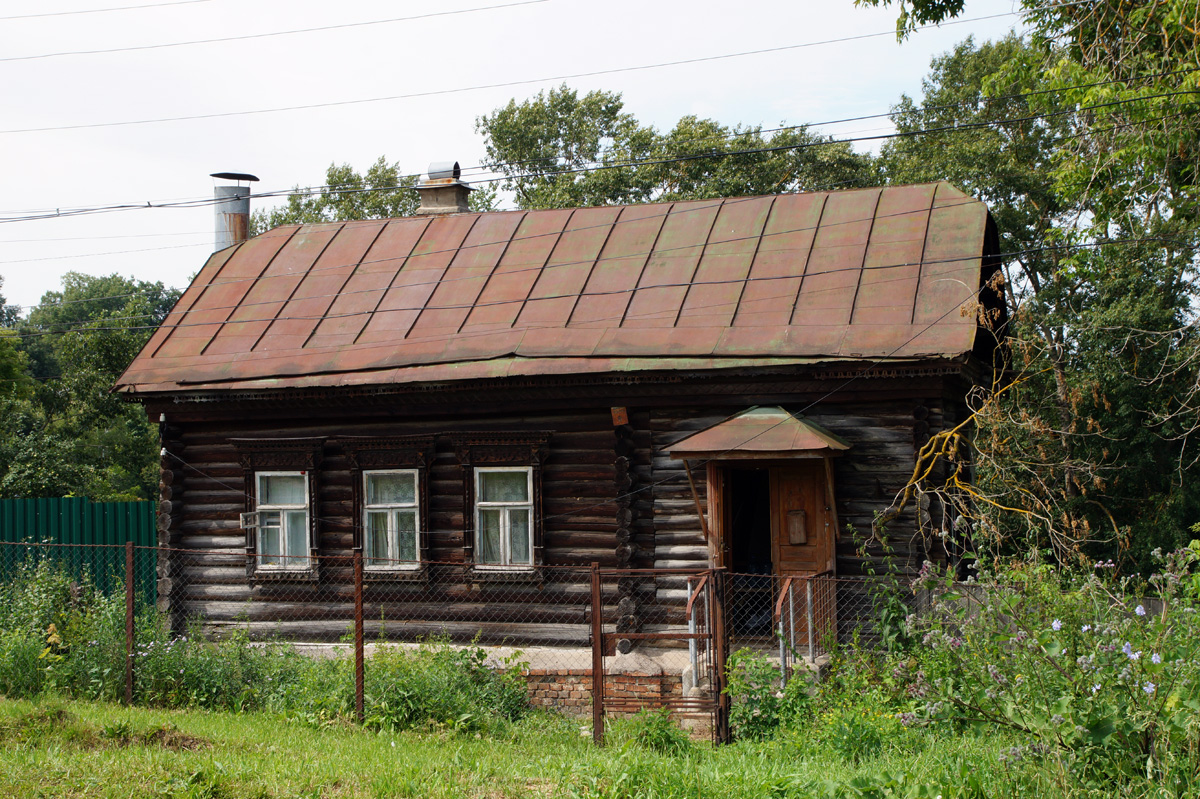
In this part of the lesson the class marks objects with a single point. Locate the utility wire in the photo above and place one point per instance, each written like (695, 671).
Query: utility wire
(667, 211)
(493, 168)
(101, 10)
(966, 127)
(269, 34)
(500, 85)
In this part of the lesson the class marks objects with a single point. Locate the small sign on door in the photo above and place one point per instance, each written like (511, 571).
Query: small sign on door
(797, 527)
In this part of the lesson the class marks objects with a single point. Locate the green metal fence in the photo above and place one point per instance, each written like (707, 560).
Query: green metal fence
(88, 535)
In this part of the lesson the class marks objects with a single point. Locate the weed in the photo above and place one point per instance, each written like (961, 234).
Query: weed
(656, 731)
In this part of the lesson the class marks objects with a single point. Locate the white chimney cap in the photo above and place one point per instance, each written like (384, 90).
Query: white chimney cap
(444, 170)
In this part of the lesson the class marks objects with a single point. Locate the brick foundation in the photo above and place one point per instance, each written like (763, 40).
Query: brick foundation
(570, 690)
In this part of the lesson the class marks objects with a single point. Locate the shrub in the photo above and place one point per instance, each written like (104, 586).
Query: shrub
(753, 686)
(442, 685)
(657, 731)
(1091, 682)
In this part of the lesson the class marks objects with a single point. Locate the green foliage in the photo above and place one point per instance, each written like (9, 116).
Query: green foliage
(381, 192)
(441, 685)
(59, 634)
(656, 731)
(752, 683)
(68, 434)
(548, 145)
(1102, 357)
(1100, 692)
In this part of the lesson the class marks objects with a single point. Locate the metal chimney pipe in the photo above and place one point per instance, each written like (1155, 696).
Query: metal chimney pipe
(231, 210)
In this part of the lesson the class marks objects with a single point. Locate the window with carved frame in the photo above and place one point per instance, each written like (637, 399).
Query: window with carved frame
(391, 500)
(280, 477)
(502, 501)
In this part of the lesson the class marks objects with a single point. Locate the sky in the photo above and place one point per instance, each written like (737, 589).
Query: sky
(442, 64)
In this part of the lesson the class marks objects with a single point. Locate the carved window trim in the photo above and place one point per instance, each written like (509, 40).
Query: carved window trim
(491, 449)
(303, 455)
(392, 453)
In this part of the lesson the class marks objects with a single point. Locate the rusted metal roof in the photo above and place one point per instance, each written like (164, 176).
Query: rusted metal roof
(870, 273)
(759, 433)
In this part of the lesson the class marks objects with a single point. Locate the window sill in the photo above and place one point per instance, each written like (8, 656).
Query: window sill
(278, 574)
(505, 574)
(418, 574)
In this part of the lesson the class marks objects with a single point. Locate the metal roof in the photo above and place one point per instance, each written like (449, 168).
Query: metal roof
(874, 273)
(757, 433)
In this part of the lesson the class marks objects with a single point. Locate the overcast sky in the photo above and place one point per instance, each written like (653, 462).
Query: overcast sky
(87, 163)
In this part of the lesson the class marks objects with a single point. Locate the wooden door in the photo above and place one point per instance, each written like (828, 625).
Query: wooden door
(803, 521)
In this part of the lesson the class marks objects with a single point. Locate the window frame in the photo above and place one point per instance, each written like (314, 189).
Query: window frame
(391, 453)
(488, 449)
(287, 455)
(289, 561)
(506, 563)
(394, 563)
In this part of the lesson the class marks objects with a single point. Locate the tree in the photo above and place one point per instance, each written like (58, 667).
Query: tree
(1092, 445)
(70, 435)
(382, 192)
(560, 150)
(13, 380)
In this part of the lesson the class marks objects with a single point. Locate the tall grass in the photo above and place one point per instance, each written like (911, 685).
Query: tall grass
(60, 635)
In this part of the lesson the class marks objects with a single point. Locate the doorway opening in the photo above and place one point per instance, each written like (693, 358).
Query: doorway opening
(750, 551)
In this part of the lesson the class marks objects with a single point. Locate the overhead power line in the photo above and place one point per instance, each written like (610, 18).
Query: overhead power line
(947, 129)
(500, 85)
(101, 10)
(270, 34)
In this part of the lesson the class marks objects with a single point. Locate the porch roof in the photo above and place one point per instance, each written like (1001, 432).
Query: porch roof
(759, 433)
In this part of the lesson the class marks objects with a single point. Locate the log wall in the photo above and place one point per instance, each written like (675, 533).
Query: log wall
(609, 496)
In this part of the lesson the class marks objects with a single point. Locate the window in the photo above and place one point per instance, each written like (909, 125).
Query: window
(391, 519)
(280, 519)
(391, 494)
(502, 493)
(504, 516)
(283, 526)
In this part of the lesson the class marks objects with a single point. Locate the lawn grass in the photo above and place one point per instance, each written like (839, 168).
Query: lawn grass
(65, 748)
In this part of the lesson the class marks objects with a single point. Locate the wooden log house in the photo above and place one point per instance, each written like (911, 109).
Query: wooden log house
(479, 400)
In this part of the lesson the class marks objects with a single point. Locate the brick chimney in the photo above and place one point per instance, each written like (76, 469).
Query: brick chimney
(443, 192)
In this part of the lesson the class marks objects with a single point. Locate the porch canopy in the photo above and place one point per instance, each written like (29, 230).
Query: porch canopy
(760, 433)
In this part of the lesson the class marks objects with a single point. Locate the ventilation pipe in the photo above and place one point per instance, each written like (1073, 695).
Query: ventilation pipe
(232, 209)
(443, 192)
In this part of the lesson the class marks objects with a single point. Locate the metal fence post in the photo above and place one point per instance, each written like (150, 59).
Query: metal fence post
(808, 592)
(597, 658)
(721, 655)
(358, 636)
(780, 635)
(129, 622)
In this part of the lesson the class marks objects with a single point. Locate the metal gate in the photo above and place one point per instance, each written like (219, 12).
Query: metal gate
(663, 645)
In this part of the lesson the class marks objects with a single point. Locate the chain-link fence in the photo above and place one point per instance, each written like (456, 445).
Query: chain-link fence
(585, 640)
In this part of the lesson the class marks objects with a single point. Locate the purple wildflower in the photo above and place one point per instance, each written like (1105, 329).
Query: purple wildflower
(1149, 688)
(1139, 610)
(1056, 625)
(1155, 658)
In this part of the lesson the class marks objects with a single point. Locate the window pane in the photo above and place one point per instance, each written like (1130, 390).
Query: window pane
(489, 535)
(503, 487)
(297, 537)
(391, 489)
(376, 543)
(406, 530)
(518, 535)
(281, 489)
(268, 540)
